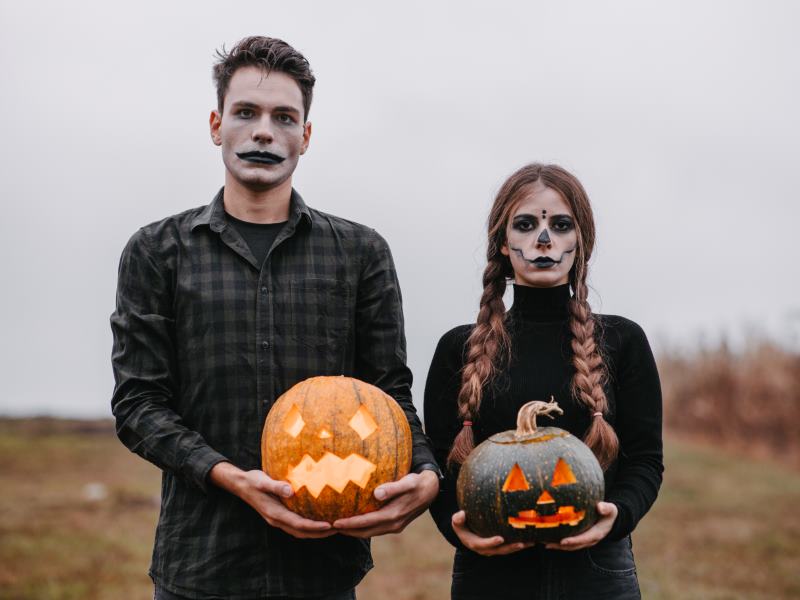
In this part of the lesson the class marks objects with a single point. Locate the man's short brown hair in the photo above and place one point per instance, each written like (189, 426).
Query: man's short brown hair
(269, 54)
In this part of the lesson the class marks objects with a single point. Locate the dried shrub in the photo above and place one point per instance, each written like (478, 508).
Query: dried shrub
(748, 400)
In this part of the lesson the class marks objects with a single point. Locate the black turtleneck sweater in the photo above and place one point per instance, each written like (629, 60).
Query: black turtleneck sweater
(540, 367)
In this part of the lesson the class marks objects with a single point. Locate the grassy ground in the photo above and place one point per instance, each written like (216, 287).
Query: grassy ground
(77, 513)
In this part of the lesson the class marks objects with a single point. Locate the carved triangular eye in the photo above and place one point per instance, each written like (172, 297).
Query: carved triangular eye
(562, 474)
(516, 482)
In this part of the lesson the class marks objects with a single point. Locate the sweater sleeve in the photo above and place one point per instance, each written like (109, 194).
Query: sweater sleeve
(640, 464)
(442, 425)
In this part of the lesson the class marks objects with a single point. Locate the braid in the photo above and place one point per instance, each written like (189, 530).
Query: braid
(485, 345)
(590, 373)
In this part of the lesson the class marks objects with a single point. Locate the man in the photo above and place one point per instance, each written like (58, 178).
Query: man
(221, 309)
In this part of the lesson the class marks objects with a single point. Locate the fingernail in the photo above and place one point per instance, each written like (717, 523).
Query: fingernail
(380, 494)
(286, 491)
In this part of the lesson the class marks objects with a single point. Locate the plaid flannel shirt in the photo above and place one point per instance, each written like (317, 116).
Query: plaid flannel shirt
(205, 340)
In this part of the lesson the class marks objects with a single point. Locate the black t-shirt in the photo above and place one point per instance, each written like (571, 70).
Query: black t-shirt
(259, 236)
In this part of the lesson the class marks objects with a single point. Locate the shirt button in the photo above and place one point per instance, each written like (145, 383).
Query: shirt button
(265, 344)
(263, 290)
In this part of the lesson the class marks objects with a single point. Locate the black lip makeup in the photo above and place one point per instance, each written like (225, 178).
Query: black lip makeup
(261, 157)
(544, 262)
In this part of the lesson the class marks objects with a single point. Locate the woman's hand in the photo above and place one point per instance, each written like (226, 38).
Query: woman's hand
(492, 546)
(608, 514)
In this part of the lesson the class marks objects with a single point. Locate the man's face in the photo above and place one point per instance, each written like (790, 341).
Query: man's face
(541, 238)
(261, 129)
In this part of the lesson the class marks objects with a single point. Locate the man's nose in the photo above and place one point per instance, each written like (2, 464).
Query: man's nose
(262, 132)
(544, 238)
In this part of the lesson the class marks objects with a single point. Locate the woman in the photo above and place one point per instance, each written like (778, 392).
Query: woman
(599, 368)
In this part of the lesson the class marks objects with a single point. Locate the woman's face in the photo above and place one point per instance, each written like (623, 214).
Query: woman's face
(541, 238)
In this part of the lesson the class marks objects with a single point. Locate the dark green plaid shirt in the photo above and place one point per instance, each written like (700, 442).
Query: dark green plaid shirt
(205, 340)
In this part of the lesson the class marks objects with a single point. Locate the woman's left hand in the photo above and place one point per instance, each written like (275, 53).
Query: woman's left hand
(608, 514)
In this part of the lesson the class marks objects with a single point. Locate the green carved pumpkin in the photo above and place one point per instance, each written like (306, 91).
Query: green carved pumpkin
(531, 485)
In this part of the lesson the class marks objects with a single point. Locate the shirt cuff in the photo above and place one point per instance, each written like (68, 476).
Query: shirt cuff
(198, 465)
(429, 466)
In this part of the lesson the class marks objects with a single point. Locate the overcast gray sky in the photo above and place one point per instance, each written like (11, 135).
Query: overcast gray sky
(680, 118)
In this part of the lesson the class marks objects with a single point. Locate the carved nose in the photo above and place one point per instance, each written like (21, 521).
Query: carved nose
(544, 237)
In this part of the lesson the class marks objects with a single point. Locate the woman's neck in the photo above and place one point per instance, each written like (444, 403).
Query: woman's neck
(541, 304)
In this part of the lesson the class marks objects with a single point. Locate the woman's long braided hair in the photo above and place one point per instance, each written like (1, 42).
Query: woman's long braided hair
(488, 346)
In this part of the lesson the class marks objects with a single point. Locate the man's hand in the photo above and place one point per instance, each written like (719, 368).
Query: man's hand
(405, 500)
(493, 546)
(261, 492)
(608, 514)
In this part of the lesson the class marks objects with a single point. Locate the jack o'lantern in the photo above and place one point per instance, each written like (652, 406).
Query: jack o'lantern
(531, 485)
(335, 439)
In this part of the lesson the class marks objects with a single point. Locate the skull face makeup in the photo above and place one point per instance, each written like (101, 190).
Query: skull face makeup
(541, 238)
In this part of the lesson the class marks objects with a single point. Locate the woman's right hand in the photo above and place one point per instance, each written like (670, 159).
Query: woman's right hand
(493, 546)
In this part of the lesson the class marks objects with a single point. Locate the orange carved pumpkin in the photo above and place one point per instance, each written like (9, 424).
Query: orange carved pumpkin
(335, 439)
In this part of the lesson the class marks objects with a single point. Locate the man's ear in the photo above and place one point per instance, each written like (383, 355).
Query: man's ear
(306, 137)
(214, 123)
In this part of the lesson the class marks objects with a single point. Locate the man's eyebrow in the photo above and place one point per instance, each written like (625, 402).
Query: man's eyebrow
(289, 109)
(244, 104)
(254, 106)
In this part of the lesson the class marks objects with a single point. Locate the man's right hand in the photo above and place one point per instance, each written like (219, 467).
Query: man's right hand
(263, 493)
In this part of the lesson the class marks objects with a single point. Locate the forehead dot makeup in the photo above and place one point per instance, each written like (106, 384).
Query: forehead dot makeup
(544, 214)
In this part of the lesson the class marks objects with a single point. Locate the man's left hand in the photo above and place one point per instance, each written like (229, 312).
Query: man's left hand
(608, 514)
(404, 501)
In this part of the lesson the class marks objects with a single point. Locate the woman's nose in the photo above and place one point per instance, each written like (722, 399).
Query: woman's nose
(544, 238)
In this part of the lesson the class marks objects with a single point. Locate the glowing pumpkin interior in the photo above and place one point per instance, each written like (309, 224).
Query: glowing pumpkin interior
(546, 514)
(330, 470)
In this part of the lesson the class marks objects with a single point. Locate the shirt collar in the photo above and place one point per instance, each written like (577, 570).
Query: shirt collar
(213, 215)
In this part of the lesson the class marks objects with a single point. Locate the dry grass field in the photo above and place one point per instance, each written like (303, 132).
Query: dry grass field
(77, 513)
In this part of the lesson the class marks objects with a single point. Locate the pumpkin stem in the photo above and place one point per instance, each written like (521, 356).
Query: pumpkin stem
(526, 417)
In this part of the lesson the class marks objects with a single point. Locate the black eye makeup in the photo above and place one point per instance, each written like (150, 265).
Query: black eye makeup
(562, 223)
(524, 223)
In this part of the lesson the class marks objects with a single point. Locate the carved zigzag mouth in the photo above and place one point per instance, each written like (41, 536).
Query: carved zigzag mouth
(566, 515)
(330, 470)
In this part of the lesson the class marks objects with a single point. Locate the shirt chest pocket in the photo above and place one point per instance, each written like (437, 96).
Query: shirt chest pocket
(319, 314)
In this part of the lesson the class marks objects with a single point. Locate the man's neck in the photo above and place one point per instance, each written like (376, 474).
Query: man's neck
(266, 206)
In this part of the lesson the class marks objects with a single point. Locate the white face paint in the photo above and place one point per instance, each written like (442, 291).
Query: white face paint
(541, 239)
